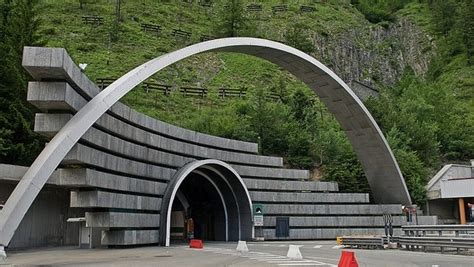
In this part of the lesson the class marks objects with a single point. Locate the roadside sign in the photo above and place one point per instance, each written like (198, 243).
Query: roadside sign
(258, 214)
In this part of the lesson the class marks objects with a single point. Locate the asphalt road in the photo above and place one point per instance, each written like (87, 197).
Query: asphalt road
(315, 253)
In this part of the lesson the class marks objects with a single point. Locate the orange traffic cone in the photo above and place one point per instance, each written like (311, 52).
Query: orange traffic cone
(195, 243)
(347, 259)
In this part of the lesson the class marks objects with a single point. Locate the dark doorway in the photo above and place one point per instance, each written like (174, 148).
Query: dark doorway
(203, 205)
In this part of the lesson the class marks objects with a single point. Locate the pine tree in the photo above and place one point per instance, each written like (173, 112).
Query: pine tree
(466, 26)
(297, 37)
(232, 20)
(444, 15)
(18, 143)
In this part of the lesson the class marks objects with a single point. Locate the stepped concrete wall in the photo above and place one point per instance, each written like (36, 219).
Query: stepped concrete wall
(121, 171)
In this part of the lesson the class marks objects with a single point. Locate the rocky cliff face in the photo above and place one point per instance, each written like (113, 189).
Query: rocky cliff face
(373, 56)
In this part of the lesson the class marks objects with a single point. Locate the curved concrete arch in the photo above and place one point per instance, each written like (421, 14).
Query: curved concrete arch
(182, 174)
(378, 162)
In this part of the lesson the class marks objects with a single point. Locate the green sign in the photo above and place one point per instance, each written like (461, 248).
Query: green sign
(257, 209)
(257, 214)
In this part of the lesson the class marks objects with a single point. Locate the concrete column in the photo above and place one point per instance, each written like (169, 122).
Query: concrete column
(462, 211)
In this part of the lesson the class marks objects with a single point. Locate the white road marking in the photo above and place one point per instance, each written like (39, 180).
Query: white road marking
(322, 258)
(318, 246)
(267, 257)
(291, 261)
(301, 264)
(337, 246)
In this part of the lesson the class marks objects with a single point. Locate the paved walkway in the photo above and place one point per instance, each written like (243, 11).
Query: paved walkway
(316, 253)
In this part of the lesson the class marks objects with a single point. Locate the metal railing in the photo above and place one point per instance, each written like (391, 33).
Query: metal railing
(442, 236)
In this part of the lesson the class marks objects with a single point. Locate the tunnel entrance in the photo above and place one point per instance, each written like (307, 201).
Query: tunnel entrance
(208, 200)
(198, 211)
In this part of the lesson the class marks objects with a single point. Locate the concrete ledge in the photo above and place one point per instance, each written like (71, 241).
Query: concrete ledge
(81, 154)
(362, 209)
(122, 219)
(60, 96)
(54, 96)
(50, 124)
(246, 171)
(307, 234)
(88, 178)
(130, 237)
(101, 199)
(296, 186)
(56, 64)
(309, 197)
(336, 221)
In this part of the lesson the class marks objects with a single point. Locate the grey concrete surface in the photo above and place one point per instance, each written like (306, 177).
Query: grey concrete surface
(376, 158)
(288, 186)
(336, 209)
(56, 64)
(81, 154)
(336, 221)
(309, 197)
(130, 237)
(327, 233)
(89, 178)
(317, 253)
(101, 199)
(45, 222)
(54, 96)
(246, 171)
(122, 219)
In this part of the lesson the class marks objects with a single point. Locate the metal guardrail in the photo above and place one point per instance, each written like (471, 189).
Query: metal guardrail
(363, 242)
(414, 242)
(417, 237)
(421, 230)
(368, 241)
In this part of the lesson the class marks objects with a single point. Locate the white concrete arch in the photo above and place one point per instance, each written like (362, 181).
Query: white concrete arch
(196, 167)
(378, 162)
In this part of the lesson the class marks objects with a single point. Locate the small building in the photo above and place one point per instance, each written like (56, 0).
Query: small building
(451, 194)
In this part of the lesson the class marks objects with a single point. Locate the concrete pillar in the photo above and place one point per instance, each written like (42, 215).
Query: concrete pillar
(462, 211)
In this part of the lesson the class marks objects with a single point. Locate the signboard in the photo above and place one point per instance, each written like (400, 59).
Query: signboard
(257, 214)
(258, 220)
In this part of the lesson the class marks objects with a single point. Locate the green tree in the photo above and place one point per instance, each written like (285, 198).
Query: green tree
(412, 167)
(297, 36)
(18, 143)
(269, 121)
(466, 25)
(444, 13)
(231, 19)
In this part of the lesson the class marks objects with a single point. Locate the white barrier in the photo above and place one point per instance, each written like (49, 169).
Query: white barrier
(3, 255)
(294, 252)
(242, 246)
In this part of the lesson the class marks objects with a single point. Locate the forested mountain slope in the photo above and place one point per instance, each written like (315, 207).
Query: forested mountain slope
(416, 54)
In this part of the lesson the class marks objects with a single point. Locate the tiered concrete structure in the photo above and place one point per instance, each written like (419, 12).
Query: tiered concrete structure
(127, 172)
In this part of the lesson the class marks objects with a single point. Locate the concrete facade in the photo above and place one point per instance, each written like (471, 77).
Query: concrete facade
(122, 167)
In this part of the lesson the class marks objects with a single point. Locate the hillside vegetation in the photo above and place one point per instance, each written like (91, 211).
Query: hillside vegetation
(418, 57)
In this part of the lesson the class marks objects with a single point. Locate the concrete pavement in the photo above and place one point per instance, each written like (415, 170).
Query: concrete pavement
(315, 253)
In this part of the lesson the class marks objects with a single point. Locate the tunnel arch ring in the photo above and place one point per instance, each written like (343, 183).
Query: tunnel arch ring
(377, 160)
(195, 166)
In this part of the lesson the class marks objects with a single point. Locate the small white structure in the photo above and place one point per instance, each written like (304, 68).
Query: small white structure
(294, 252)
(242, 246)
(451, 194)
(3, 255)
